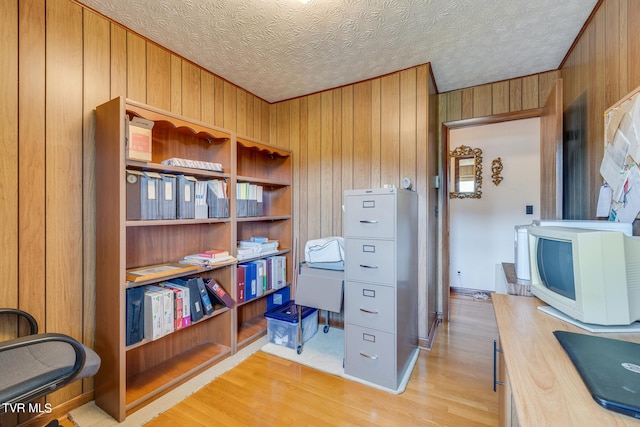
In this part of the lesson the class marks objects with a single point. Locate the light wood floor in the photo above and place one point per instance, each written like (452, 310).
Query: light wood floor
(451, 385)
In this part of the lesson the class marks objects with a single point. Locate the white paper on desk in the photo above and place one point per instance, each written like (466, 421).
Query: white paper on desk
(613, 164)
(614, 117)
(604, 201)
(634, 113)
(630, 205)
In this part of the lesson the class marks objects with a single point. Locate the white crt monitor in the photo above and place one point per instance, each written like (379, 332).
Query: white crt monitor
(592, 276)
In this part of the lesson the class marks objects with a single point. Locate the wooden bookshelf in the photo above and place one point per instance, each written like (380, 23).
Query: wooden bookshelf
(132, 376)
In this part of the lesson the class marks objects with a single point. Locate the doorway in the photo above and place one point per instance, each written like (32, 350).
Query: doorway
(493, 195)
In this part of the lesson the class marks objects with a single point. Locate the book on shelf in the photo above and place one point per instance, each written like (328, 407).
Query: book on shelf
(217, 291)
(152, 314)
(193, 164)
(214, 253)
(240, 288)
(158, 271)
(178, 304)
(261, 276)
(255, 248)
(250, 280)
(168, 321)
(135, 315)
(138, 139)
(185, 196)
(186, 301)
(195, 302)
(204, 261)
(207, 307)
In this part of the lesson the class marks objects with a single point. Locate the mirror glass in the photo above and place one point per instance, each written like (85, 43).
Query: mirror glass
(466, 172)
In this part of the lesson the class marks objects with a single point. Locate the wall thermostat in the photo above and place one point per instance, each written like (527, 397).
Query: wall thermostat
(406, 183)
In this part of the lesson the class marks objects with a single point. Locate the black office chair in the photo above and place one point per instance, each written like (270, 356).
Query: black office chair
(37, 364)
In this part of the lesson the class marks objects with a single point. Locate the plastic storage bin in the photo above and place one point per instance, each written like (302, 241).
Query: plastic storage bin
(282, 324)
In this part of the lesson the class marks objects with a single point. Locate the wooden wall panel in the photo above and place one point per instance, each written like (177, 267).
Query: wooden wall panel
(362, 136)
(500, 97)
(362, 140)
(118, 61)
(326, 164)
(376, 135)
(176, 84)
(348, 126)
(602, 67)
(294, 144)
(208, 87)
(408, 124)
(136, 68)
(241, 111)
(9, 159)
(63, 175)
(314, 166)
(158, 77)
(336, 154)
(515, 95)
(96, 77)
(230, 103)
(302, 206)
(482, 101)
(518, 94)
(633, 42)
(31, 162)
(390, 129)
(191, 91)
(60, 60)
(551, 154)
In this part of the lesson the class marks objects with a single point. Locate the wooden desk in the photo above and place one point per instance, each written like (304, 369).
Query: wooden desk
(541, 382)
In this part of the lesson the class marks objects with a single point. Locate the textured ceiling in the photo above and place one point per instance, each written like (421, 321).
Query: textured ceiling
(280, 49)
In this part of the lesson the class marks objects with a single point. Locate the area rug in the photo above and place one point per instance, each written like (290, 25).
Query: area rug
(325, 352)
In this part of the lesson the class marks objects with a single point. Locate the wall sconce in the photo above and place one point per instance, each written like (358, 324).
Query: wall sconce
(496, 169)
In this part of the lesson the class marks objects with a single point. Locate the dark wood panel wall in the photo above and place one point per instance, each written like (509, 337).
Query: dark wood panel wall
(364, 135)
(58, 62)
(508, 96)
(602, 67)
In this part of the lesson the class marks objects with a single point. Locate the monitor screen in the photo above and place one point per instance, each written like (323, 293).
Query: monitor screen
(555, 264)
(592, 276)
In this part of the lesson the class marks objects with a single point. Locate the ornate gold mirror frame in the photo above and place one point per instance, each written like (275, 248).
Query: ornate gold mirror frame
(466, 173)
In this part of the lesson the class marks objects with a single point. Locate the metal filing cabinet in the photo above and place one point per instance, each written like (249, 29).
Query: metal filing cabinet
(381, 284)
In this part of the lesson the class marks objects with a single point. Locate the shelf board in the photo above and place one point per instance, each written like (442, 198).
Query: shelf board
(263, 182)
(156, 222)
(159, 167)
(130, 284)
(251, 330)
(264, 218)
(219, 310)
(160, 378)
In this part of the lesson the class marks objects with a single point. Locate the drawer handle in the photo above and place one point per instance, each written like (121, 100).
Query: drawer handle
(368, 356)
(496, 350)
(368, 221)
(368, 266)
(364, 310)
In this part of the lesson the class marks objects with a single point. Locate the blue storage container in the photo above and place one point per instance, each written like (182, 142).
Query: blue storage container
(282, 324)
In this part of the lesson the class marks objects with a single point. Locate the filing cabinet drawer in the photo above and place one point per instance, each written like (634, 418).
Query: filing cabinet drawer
(370, 305)
(369, 355)
(370, 260)
(370, 216)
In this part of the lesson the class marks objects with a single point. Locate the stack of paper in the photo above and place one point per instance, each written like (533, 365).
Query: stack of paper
(249, 248)
(194, 164)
